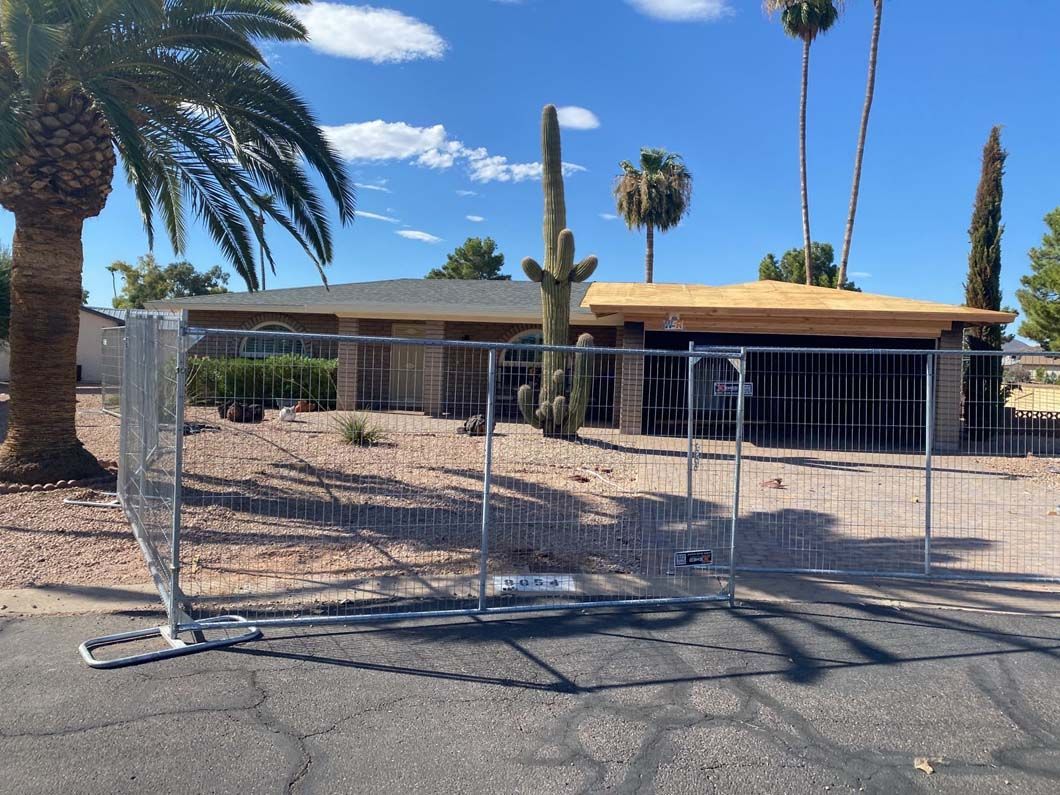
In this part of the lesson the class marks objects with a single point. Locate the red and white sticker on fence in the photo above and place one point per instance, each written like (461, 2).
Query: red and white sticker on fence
(728, 388)
(551, 583)
(693, 557)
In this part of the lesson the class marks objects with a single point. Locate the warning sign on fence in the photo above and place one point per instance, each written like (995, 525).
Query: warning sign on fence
(693, 557)
(733, 388)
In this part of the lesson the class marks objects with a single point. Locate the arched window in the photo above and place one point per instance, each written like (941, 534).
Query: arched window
(264, 347)
(520, 357)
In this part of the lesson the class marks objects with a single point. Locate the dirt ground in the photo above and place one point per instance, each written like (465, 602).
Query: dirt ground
(278, 506)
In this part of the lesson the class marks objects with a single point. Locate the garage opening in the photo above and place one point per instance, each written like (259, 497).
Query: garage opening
(831, 398)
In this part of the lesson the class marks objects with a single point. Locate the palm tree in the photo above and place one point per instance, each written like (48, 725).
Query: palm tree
(804, 20)
(655, 196)
(870, 89)
(178, 92)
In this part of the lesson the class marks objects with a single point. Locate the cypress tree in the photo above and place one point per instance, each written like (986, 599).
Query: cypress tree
(984, 399)
(983, 288)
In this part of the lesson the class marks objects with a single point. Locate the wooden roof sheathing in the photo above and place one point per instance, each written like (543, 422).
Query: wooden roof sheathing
(767, 307)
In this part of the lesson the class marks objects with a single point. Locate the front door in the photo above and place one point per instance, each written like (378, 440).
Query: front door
(406, 369)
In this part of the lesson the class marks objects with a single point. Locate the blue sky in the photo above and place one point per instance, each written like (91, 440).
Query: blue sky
(436, 104)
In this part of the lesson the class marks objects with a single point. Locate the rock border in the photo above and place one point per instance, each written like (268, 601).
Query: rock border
(23, 488)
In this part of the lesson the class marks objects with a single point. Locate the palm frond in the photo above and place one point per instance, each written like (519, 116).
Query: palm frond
(200, 124)
(34, 44)
(657, 194)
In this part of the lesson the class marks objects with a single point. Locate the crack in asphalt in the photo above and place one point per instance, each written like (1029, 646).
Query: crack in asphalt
(1005, 694)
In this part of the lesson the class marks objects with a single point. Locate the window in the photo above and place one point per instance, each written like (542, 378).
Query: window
(264, 347)
(520, 357)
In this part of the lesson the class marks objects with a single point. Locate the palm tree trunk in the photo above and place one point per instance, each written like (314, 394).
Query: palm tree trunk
(649, 256)
(42, 444)
(870, 89)
(802, 158)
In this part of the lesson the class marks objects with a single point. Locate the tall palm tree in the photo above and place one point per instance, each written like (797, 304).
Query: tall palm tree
(805, 20)
(870, 90)
(178, 92)
(654, 196)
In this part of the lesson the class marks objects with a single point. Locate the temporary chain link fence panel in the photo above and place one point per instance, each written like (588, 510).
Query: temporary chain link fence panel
(996, 480)
(333, 478)
(913, 463)
(148, 466)
(285, 478)
(111, 342)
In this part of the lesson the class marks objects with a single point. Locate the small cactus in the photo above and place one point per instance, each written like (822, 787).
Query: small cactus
(557, 413)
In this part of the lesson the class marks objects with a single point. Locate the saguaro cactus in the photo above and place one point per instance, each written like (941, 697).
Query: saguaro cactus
(556, 413)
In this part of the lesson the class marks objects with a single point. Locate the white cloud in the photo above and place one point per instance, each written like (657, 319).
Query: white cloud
(484, 167)
(368, 186)
(478, 219)
(429, 147)
(683, 10)
(415, 234)
(466, 193)
(381, 140)
(379, 35)
(860, 274)
(377, 217)
(574, 118)
(609, 216)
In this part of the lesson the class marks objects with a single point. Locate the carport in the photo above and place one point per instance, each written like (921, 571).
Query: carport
(807, 380)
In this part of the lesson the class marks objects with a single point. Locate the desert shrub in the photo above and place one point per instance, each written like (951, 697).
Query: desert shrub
(357, 430)
(273, 381)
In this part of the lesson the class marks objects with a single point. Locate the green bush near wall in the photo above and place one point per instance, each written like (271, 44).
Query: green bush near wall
(274, 381)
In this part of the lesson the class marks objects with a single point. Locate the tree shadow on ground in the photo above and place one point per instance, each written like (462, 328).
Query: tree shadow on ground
(780, 455)
(597, 651)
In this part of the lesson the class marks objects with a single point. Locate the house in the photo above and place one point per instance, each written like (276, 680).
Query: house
(89, 344)
(634, 393)
(1035, 363)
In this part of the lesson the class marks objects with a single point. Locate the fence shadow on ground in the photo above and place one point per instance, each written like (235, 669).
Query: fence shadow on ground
(646, 521)
(594, 652)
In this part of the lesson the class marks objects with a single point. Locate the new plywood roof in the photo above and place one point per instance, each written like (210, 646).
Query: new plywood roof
(767, 299)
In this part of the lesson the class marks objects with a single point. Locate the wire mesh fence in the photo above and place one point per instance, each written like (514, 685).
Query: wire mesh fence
(319, 478)
(149, 477)
(333, 477)
(110, 372)
(913, 463)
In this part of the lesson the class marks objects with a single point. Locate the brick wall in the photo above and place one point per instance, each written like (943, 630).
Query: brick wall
(631, 381)
(213, 345)
(466, 371)
(454, 380)
(948, 392)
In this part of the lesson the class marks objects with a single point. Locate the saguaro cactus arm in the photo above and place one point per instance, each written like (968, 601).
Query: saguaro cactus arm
(579, 395)
(532, 269)
(584, 269)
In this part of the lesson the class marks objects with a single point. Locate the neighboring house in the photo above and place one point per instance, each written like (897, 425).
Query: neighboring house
(636, 394)
(1031, 358)
(1013, 347)
(89, 344)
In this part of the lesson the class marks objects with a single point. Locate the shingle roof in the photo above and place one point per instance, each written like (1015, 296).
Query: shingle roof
(1017, 346)
(491, 297)
(117, 315)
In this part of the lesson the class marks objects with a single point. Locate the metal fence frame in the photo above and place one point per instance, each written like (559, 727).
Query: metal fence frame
(112, 357)
(149, 365)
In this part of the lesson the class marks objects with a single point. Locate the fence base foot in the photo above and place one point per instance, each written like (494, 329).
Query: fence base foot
(177, 647)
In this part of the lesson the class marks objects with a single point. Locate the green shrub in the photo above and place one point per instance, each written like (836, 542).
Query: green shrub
(355, 429)
(274, 381)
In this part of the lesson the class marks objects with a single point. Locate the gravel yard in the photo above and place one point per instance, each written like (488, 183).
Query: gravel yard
(275, 507)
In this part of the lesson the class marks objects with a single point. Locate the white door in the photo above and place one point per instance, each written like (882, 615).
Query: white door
(406, 369)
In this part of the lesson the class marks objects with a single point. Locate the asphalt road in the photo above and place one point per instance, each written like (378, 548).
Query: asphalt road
(773, 699)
